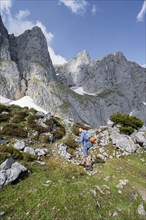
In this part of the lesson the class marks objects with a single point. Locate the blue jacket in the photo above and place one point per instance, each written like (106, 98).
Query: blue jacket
(83, 140)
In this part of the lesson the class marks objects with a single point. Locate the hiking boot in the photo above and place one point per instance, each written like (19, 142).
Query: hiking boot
(89, 168)
(82, 164)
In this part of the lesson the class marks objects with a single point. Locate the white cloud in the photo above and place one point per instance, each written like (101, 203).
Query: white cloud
(5, 5)
(76, 6)
(94, 9)
(144, 65)
(20, 22)
(141, 14)
(57, 59)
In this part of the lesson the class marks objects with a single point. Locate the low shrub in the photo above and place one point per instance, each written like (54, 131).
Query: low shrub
(58, 124)
(4, 108)
(33, 125)
(20, 117)
(75, 128)
(126, 120)
(70, 143)
(16, 120)
(15, 153)
(13, 130)
(58, 134)
(126, 130)
(49, 123)
(5, 117)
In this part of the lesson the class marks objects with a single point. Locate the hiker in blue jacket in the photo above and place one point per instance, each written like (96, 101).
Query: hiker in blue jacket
(86, 145)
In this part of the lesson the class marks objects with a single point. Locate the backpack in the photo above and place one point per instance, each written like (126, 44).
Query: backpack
(89, 137)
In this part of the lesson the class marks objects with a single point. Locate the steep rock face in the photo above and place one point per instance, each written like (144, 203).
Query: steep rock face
(23, 59)
(29, 51)
(9, 75)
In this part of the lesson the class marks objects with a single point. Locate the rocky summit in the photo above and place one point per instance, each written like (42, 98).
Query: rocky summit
(111, 84)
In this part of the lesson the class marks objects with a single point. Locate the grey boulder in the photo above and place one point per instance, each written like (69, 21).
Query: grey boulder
(29, 150)
(20, 145)
(14, 172)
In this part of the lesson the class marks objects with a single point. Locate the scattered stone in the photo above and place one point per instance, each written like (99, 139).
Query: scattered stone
(115, 214)
(141, 210)
(2, 142)
(107, 178)
(62, 151)
(1, 214)
(93, 192)
(101, 156)
(29, 150)
(97, 205)
(98, 189)
(106, 187)
(122, 183)
(119, 191)
(41, 152)
(101, 150)
(48, 181)
(41, 162)
(20, 145)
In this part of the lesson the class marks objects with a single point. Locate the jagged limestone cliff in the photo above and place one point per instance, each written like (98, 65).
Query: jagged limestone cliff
(112, 84)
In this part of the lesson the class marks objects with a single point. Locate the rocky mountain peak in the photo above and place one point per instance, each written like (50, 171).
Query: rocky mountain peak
(116, 57)
(83, 56)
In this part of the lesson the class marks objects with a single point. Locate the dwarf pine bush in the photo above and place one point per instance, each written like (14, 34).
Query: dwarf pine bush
(128, 123)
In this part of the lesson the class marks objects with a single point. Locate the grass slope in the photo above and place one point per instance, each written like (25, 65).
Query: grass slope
(62, 191)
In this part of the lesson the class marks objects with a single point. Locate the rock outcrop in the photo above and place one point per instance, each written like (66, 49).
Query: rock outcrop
(10, 171)
(111, 84)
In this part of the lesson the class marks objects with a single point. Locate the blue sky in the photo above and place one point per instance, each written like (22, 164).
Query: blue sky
(70, 26)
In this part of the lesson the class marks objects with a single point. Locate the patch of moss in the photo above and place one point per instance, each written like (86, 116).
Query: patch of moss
(29, 157)
(3, 156)
(74, 171)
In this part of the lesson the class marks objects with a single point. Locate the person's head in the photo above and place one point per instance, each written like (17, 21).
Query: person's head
(80, 130)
